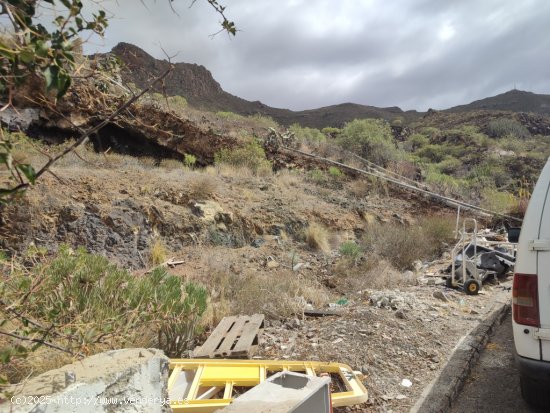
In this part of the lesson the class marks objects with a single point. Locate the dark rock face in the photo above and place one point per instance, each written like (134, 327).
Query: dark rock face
(189, 80)
(124, 234)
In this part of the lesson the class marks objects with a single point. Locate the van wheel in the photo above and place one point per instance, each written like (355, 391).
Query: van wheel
(472, 287)
(534, 392)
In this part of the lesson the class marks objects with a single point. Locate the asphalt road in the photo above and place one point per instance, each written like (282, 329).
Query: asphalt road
(493, 385)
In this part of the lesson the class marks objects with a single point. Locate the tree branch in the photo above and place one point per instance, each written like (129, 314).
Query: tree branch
(36, 340)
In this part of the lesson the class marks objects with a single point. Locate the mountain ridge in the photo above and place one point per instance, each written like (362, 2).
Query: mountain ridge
(198, 86)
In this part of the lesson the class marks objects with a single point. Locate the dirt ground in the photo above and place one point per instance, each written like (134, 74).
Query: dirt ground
(230, 227)
(390, 336)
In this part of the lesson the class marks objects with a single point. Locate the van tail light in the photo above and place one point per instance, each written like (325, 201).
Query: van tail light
(525, 301)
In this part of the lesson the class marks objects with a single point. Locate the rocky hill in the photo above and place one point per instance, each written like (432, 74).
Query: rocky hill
(201, 90)
(513, 101)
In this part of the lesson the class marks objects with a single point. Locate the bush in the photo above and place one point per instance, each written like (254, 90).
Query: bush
(335, 172)
(402, 245)
(498, 201)
(229, 116)
(307, 135)
(201, 186)
(370, 138)
(84, 301)
(281, 295)
(416, 142)
(251, 156)
(350, 250)
(317, 176)
(502, 127)
(158, 252)
(189, 160)
(317, 237)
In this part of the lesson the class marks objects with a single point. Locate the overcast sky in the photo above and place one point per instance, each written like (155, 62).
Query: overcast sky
(303, 54)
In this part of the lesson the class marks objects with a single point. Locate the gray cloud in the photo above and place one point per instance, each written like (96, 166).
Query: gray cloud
(302, 54)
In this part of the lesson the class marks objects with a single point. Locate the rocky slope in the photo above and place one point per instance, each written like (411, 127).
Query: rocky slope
(513, 101)
(197, 85)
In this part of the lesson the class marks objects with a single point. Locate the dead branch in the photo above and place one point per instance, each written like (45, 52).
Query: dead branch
(40, 341)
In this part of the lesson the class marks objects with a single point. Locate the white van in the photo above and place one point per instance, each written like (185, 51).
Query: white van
(531, 296)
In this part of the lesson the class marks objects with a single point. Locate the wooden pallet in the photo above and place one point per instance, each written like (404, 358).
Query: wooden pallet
(234, 337)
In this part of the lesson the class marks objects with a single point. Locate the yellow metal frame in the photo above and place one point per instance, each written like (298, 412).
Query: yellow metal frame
(218, 375)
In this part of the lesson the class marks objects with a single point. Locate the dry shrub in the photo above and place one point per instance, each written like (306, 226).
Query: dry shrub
(401, 245)
(171, 164)
(234, 171)
(281, 295)
(201, 186)
(287, 178)
(359, 188)
(317, 237)
(158, 253)
(374, 272)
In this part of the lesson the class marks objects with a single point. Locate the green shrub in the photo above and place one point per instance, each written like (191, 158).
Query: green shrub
(370, 138)
(251, 156)
(433, 153)
(502, 127)
(499, 201)
(449, 165)
(350, 250)
(444, 183)
(86, 300)
(416, 142)
(316, 176)
(402, 245)
(189, 160)
(264, 121)
(329, 131)
(335, 172)
(229, 116)
(307, 135)
(177, 102)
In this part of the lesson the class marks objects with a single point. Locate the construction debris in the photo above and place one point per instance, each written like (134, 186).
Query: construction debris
(200, 385)
(234, 337)
(285, 392)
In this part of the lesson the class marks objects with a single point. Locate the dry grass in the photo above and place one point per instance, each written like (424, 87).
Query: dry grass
(201, 186)
(359, 188)
(317, 237)
(401, 245)
(158, 252)
(287, 178)
(171, 164)
(280, 295)
(372, 273)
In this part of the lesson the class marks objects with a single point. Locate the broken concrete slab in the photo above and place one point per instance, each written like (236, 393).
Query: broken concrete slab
(128, 380)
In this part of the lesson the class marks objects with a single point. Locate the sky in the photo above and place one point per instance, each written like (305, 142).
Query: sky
(305, 54)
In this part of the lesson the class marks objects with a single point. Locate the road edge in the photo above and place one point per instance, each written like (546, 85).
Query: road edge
(438, 396)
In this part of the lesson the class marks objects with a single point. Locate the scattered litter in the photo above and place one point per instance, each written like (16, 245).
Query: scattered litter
(406, 383)
(320, 313)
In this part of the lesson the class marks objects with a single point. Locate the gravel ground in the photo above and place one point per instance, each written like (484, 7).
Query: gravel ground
(391, 336)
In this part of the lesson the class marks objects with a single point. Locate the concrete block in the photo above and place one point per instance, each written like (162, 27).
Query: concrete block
(285, 392)
(128, 380)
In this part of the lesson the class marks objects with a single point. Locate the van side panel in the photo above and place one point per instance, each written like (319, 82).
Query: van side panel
(543, 267)
(536, 225)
